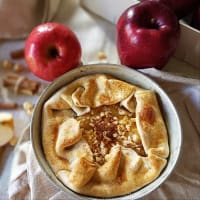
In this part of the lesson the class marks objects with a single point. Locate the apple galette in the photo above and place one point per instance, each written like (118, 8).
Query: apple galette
(104, 137)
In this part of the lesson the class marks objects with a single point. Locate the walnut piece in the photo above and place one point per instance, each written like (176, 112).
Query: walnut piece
(107, 126)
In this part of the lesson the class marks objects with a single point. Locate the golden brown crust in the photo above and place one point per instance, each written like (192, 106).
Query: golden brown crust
(108, 171)
(82, 172)
(69, 153)
(151, 124)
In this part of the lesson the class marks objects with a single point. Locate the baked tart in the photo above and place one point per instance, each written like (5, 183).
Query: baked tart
(104, 137)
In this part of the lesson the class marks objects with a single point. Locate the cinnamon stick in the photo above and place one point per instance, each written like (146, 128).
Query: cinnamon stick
(21, 84)
(8, 105)
(17, 54)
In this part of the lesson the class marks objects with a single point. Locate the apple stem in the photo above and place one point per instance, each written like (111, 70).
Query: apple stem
(53, 52)
(153, 23)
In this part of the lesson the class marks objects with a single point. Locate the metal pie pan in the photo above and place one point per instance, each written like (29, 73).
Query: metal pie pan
(126, 74)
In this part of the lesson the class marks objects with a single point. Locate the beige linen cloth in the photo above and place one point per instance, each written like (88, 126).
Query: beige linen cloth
(27, 181)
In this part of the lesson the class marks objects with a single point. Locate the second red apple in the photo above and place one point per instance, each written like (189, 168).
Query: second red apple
(147, 35)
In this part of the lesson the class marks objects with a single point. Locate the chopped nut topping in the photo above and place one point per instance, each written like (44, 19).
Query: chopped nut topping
(18, 68)
(105, 127)
(7, 64)
(28, 107)
(102, 56)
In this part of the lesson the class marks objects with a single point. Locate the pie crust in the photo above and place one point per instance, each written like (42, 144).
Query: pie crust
(104, 137)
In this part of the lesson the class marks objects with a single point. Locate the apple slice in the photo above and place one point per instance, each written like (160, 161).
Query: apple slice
(6, 128)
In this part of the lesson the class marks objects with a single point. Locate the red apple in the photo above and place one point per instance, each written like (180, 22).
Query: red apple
(52, 49)
(147, 35)
(181, 7)
(196, 18)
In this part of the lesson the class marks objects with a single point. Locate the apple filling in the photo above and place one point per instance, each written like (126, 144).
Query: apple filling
(107, 126)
